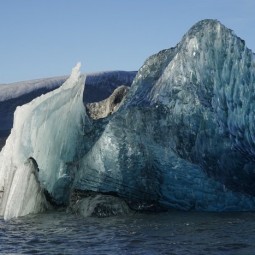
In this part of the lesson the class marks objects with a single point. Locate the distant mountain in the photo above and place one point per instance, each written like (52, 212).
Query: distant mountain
(98, 87)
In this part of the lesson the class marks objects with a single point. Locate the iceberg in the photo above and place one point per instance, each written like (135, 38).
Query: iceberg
(184, 135)
(50, 130)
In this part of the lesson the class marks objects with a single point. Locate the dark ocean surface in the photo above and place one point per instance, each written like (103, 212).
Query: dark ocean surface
(163, 233)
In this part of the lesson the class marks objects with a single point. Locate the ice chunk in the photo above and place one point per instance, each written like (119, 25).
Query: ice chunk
(25, 195)
(49, 129)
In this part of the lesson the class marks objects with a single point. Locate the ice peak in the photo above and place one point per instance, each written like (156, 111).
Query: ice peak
(211, 36)
(208, 54)
(206, 24)
(74, 78)
(208, 29)
(76, 70)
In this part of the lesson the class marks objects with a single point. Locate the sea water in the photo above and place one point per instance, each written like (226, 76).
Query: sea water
(162, 233)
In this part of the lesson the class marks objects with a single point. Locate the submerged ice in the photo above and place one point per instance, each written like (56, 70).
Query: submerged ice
(182, 137)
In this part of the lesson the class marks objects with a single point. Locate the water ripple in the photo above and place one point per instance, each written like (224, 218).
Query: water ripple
(177, 233)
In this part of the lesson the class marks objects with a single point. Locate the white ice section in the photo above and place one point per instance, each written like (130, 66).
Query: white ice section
(26, 194)
(49, 129)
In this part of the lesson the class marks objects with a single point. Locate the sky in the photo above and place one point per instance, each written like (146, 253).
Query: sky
(46, 38)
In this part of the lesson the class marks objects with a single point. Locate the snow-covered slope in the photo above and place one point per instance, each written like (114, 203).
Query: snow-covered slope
(18, 89)
(106, 81)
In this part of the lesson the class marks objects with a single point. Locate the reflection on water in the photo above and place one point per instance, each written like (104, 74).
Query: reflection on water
(165, 233)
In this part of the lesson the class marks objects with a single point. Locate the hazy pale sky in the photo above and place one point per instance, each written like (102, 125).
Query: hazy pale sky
(48, 37)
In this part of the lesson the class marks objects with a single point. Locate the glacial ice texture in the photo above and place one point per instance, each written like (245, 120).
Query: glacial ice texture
(184, 136)
(50, 130)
